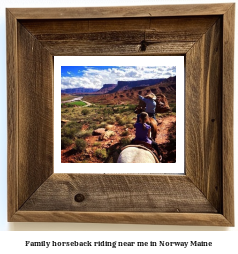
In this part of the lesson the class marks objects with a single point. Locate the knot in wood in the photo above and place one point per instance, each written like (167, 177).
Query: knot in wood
(143, 45)
(79, 198)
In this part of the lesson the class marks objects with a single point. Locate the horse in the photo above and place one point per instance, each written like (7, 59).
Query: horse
(151, 121)
(136, 154)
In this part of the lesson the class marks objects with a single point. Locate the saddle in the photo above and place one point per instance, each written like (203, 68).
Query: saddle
(148, 146)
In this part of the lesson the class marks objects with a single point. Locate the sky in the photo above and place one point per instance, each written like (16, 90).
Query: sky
(96, 76)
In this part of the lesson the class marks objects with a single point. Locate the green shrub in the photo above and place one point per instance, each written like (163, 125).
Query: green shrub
(131, 107)
(125, 141)
(88, 120)
(111, 120)
(174, 109)
(124, 121)
(125, 133)
(97, 144)
(85, 112)
(130, 126)
(65, 142)
(74, 124)
(101, 153)
(80, 145)
(84, 134)
(105, 118)
(68, 132)
(70, 129)
(102, 125)
(93, 126)
(118, 117)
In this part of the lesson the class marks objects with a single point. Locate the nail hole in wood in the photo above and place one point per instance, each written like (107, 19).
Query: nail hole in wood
(213, 120)
(79, 198)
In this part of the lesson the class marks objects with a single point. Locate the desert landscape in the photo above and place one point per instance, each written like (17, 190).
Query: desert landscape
(96, 125)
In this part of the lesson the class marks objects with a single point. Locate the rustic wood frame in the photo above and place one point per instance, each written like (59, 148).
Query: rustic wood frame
(204, 34)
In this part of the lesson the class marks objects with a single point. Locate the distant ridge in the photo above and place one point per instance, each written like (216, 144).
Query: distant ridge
(106, 88)
(120, 86)
(126, 85)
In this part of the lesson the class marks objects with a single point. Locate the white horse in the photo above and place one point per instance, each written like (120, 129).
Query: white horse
(136, 154)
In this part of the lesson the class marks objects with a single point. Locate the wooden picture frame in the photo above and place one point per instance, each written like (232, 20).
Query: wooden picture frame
(204, 34)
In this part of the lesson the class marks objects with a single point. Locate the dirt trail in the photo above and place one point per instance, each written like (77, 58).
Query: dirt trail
(163, 129)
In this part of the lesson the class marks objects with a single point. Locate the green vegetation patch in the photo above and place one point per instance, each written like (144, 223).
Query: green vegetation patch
(84, 134)
(97, 144)
(80, 145)
(125, 141)
(101, 153)
(124, 121)
(85, 112)
(71, 104)
(125, 133)
(173, 107)
(102, 125)
(70, 129)
(65, 142)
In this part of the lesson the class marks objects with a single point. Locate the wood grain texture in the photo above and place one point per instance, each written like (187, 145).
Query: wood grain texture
(119, 36)
(12, 114)
(172, 25)
(35, 114)
(203, 115)
(192, 219)
(74, 48)
(114, 193)
(121, 12)
(227, 113)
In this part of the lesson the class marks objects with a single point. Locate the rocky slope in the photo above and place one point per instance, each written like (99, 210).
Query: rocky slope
(106, 88)
(167, 87)
(126, 85)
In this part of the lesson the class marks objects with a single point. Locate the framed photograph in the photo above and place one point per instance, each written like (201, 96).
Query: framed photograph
(95, 124)
(201, 192)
